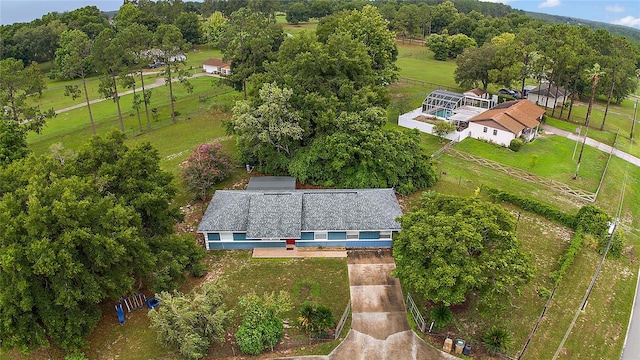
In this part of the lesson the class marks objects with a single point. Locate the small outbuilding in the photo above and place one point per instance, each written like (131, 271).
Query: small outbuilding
(216, 66)
(477, 92)
(507, 121)
(548, 95)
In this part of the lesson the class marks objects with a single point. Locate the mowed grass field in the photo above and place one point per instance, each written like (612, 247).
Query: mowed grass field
(600, 331)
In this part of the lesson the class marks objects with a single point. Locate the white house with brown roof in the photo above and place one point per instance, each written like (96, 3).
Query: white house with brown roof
(507, 121)
(216, 66)
(477, 92)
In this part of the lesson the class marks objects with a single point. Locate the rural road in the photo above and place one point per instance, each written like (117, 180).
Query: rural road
(631, 348)
(157, 83)
(593, 143)
(379, 326)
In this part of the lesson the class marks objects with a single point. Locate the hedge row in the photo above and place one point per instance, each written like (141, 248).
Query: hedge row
(535, 206)
(589, 220)
(567, 258)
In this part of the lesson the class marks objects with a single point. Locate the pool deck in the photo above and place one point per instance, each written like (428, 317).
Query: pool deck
(266, 253)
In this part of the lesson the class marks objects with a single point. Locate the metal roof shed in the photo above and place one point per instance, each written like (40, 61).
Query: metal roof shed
(262, 183)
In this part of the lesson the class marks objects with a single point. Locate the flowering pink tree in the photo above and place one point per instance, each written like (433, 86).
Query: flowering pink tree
(205, 167)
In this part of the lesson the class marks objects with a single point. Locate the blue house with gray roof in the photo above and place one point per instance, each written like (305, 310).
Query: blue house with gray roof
(247, 219)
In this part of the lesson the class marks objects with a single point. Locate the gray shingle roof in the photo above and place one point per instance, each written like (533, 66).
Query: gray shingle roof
(274, 215)
(285, 214)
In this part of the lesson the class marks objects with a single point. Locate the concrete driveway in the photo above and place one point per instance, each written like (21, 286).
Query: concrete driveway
(379, 326)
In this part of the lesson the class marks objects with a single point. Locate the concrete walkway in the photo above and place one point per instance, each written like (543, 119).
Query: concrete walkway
(593, 143)
(379, 326)
(157, 83)
(272, 253)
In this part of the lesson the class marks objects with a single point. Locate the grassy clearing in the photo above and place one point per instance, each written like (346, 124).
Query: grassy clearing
(417, 62)
(549, 157)
(73, 128)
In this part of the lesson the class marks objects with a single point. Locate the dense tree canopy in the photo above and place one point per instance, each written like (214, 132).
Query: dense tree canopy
(450, 247)
(77, 230)
(361, 154)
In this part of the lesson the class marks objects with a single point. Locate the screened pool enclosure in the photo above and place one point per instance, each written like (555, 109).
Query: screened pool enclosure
(442, 103)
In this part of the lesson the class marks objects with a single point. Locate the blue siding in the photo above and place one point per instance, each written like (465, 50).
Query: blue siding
(337, 235)
(239, 236)
(368, 244)
(228, 245)
(213, 236)
(370, 235)
(347, 244)
(307, 236)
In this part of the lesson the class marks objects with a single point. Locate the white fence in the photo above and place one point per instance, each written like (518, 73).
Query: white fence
(407, 120)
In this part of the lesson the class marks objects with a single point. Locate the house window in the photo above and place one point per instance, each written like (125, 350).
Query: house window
(239, 236)
(321, 235)
(484, 129)
(495, 132)
(213, 236)
(353, 235)
(385, 234)
(337, 235)
(306, 236)
(370, 235)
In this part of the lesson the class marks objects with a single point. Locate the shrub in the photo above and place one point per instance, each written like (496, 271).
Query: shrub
(497, 340)
(616, 247)
(442, 128)
(190, 322)
(175, 255)
(205, 167)
(516, 144)
(544, 293)
(261, 326)
(315, 319)
(592, 220)
(441, 316)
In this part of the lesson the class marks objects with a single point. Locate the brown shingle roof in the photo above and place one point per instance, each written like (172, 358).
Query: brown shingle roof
(513, 116)
(215, 62)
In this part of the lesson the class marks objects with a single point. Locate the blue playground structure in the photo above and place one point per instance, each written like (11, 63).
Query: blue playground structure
(137, 301)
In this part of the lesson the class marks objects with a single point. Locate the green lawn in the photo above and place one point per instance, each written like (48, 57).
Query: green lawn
(73, 128)
(549, 157)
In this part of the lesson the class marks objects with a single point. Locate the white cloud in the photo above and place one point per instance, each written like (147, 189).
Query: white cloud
(549, 3)
(628, 21)
(615, 8)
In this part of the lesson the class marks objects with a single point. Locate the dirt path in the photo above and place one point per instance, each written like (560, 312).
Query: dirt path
(379, 325)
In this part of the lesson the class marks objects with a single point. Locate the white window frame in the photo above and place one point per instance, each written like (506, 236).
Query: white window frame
(385, 235)
(484, 130)
(353, 235)
(495, 132)
(320, 235)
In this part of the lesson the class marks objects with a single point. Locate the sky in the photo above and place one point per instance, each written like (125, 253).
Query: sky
(620, 12)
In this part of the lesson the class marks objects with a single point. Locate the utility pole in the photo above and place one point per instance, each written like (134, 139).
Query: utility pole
(633, 124)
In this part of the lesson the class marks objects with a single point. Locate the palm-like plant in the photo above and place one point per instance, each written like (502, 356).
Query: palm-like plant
(441, 316)
(594, 74)
(497, 340)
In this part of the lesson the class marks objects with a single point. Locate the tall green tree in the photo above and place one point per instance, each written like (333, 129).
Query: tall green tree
(173, 46)
(138, 40)
(189, 25)
(594, 74)
(270, 132)
(13, 142)
(451, 246)
(366, 26)
(248, 40)
(134, 176)
(73, 59)
(473, 66)
(213, 27)
(17, 84)
(39, 43)
(110, 60)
